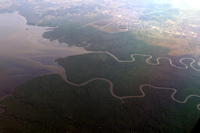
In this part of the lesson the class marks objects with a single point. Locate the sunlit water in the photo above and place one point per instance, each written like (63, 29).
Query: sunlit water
(24, 54)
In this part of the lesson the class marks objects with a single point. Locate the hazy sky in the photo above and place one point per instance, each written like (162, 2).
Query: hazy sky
(193, 3)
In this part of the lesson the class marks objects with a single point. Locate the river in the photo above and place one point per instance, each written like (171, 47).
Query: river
(25, 54)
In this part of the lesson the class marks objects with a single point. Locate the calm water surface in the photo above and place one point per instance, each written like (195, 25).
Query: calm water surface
(24, 54)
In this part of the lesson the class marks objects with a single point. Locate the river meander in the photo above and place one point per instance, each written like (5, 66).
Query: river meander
(24, 53)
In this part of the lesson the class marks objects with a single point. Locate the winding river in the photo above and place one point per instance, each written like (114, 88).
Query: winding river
(62, 73)
(27, 50)
(64, 76)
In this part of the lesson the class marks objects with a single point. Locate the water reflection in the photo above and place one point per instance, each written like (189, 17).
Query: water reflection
(25, 54)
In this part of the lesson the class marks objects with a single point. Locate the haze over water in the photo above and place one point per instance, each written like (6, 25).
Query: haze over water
(24, 54)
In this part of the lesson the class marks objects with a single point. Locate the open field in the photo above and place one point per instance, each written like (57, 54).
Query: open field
(102, 23)
(113, 28)
(177, 47)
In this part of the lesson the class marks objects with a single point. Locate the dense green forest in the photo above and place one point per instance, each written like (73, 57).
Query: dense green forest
(128, 76)
(122, 45)
(49, 104)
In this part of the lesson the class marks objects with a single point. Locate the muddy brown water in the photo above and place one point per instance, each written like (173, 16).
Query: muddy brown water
(25, 54)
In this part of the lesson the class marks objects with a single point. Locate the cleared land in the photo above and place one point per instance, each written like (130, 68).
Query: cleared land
(102, 23)
(177, 47)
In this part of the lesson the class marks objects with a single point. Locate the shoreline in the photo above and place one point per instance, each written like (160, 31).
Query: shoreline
(34, 35)
(26, 50)
(62, 73)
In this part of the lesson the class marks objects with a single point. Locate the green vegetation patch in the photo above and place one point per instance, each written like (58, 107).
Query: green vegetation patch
(48, 104)
(122, 44)
(127, 77)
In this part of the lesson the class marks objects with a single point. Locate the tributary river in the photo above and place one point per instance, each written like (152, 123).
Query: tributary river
(24, 54)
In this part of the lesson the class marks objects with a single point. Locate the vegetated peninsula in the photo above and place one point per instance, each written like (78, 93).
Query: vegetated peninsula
(139, 76)
(50, 104)
(104, 94)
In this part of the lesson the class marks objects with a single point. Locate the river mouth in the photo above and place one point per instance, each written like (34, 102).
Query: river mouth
(25, 54)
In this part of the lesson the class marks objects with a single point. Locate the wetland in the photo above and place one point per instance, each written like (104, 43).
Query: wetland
(24, 54)
(120, 81)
